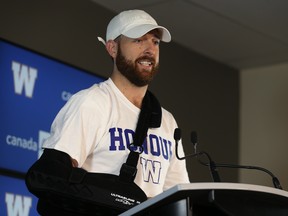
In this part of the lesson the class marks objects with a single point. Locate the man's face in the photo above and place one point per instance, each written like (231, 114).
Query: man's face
(138, 59)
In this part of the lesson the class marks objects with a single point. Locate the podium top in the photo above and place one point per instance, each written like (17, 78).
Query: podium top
(200, 190)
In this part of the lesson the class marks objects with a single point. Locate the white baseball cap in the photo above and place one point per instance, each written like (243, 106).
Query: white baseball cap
(133, 24)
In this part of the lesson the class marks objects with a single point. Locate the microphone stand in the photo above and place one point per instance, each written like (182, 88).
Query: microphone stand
(213, 166)
(275, 180)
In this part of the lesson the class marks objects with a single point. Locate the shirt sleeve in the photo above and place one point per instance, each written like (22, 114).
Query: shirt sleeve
(74, 130)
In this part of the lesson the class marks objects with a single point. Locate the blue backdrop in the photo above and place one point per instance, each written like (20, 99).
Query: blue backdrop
(33, 88)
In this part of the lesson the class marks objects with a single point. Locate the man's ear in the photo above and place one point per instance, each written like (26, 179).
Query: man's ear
(112, 48)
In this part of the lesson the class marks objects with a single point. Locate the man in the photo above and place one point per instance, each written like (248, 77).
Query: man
(96, 125)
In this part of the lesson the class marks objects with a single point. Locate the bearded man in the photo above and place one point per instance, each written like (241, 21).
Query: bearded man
(96, 126)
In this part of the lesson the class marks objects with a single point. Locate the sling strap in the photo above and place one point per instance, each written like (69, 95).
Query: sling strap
(150, 117)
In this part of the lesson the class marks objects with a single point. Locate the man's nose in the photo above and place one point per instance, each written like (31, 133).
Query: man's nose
(150, 48)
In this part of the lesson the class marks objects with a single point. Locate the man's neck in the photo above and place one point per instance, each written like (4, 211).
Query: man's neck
(133, 93)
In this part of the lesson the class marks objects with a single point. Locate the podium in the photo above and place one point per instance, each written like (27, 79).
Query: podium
(217, 199)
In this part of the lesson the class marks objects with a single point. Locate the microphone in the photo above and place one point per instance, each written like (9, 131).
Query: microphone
(213, 166)
(177, 138)
(194, 140)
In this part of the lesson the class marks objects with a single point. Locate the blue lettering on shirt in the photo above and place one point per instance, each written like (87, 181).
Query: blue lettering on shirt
(153, 144)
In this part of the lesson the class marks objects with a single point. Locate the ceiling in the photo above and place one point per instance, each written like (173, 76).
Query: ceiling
(240, 33)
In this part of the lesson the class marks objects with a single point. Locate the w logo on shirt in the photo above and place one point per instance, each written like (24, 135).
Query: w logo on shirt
(151, 170)
(24, 78)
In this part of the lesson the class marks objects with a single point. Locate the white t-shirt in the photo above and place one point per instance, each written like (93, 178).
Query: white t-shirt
(96, 125)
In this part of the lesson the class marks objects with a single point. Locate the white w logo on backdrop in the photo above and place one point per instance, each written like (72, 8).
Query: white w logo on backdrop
(17, 205)
(24, 78)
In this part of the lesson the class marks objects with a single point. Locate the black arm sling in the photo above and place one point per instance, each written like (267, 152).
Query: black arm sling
(68, 191)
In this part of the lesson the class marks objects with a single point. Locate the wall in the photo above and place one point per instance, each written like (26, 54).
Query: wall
(202, 93)
(264, 123)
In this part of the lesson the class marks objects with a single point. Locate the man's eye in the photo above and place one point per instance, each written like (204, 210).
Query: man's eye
(157, 42)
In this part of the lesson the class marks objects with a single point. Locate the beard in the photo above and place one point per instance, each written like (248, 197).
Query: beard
(130, 69)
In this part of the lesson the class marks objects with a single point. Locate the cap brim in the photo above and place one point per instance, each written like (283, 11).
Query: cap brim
(141, 30)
